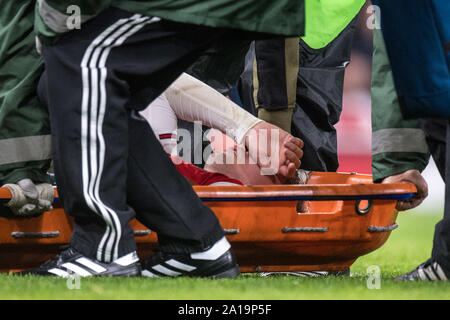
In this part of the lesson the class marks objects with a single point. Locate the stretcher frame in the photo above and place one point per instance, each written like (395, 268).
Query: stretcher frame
(324, 225)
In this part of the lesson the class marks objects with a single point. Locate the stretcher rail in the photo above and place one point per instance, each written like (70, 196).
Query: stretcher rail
(271, 228)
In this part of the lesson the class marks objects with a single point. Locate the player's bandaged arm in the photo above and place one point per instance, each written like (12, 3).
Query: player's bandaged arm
(193, 100)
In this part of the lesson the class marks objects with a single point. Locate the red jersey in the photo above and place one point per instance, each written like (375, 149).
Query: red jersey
(197, 176)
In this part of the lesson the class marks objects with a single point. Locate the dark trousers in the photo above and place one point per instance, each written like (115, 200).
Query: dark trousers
(109, 166)
(438, 138)
(317, 96)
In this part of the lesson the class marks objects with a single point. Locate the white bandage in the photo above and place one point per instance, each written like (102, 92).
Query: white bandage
(193, 100)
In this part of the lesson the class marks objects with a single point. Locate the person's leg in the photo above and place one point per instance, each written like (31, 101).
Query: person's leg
(274, 79)
(437, 133)
(163, 199)
(117, 60)
(441, 242)
(320, 86)
(300, 89)
(89, 140)
(191, 240)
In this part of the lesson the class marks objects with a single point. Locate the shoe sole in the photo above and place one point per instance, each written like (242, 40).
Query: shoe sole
(228, 274)
(306, 274)
(132, 271)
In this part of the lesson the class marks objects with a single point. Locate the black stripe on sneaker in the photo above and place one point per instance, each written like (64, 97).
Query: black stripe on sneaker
(425, 273)
(76, 269)
(172, 268)
(436, 275)
(439, 271)
(179, 266)
(90, 265)
(164, 271)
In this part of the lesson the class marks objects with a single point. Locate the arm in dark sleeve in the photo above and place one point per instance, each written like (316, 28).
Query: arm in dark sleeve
(398, 145)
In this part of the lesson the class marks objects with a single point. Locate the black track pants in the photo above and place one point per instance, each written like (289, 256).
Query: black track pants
(437, 133)
(109, 166)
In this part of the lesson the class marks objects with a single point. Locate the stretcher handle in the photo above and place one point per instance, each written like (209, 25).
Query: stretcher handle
(308, 192)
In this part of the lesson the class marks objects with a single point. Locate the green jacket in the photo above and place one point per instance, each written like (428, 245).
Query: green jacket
(280, 17)
(398, 145)
(25, 150)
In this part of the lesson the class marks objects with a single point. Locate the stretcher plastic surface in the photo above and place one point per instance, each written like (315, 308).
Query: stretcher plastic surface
(323, 225)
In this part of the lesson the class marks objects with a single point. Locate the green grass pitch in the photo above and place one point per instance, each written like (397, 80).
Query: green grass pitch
(407, 247)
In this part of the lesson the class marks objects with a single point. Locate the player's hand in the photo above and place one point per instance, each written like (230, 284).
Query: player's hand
(275, 150)
(411, 176)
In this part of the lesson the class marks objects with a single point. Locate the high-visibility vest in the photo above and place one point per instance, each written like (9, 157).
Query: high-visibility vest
(325, 19)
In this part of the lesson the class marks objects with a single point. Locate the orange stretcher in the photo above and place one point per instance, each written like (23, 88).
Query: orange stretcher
(323, 225)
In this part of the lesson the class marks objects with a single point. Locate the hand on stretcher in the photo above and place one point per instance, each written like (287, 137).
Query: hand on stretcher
(414, 177)
(29, 199)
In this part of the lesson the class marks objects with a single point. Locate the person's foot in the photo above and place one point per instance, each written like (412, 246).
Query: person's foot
(307, 274)
(427, 271)
(216, 262)
(71, 263)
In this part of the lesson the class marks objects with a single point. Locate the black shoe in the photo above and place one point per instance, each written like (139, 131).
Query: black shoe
(428, 271)
(307, 274)
(216, 262)
(71, 263)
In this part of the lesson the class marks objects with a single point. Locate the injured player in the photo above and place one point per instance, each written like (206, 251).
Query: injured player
(232, 162)
(250, 157)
